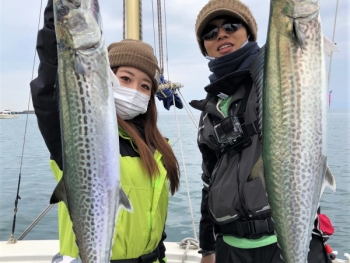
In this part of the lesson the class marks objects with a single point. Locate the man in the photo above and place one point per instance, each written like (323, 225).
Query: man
(236, 223)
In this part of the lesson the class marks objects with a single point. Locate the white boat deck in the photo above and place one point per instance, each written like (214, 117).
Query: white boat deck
(42, 251)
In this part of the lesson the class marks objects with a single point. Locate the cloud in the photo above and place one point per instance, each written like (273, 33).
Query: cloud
(19, 25)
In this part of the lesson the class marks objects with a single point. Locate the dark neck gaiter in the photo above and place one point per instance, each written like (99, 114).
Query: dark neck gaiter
(236, 61)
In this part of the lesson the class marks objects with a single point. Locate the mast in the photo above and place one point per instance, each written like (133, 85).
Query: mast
(133, 19)
(167, 90)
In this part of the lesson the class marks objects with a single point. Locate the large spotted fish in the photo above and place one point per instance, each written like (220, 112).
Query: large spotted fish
(90, 186)
(294, 122)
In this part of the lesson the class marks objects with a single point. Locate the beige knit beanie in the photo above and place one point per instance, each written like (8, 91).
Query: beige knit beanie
(215, 8)
(136, 54)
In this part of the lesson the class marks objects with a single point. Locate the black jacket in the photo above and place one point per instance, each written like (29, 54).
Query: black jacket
(225, 170)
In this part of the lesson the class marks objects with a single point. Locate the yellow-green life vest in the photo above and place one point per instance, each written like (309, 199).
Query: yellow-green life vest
(139, 232)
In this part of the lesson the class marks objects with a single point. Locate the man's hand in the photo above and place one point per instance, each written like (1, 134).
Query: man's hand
(208, 259)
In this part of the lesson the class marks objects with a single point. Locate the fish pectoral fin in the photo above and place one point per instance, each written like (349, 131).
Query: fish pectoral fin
(298, 34)
(59, 194)
(258, 172)
(124, 201)
(330, 180)
(78, 65)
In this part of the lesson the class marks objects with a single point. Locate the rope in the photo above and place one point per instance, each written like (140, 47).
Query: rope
(184, 168)
(169, 85)
(195, 122)
(124, 19)
(12, 236)
(160, 36)
(330, 60)
(140, 19)
(154, 31)
(188, 243)
(174, 85)
(166, 41)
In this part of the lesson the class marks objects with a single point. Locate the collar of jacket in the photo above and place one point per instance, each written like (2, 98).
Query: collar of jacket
(228, 84)
(139, 123)
(207, 105)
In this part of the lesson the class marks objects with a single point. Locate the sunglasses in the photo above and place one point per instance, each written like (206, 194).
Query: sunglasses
(228, 28)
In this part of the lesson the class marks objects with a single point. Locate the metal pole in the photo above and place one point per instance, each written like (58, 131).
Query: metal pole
(47, 208)
(133, 19)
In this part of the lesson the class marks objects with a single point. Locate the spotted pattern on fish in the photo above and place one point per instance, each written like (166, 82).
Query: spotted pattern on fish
(90, 185)
(294, 123)
(89, 203)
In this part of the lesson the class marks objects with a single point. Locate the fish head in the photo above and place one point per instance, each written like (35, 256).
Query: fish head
(77, 24)
(296, 18)
(300, 8)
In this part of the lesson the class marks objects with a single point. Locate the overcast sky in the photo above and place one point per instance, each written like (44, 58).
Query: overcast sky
(19, 23)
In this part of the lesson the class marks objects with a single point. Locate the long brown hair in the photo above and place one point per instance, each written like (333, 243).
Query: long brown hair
(154, 139)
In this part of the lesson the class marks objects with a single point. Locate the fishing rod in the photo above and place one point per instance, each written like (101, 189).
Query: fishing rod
(12, 236)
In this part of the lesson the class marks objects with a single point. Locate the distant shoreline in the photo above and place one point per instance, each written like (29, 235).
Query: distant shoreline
(25, 112)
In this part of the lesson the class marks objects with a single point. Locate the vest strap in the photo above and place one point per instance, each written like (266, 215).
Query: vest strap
(252, 128)
(248, 229)
(146, 258)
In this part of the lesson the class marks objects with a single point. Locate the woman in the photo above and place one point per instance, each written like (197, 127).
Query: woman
(236, 223)
(148, 165)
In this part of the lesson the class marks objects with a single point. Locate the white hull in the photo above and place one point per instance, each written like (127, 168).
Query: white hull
(42, 251)
(8, 116)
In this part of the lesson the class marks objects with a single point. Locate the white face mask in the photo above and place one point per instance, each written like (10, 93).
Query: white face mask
(129, 102)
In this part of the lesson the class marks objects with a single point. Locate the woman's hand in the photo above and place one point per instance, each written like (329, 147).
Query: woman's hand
(208, 259)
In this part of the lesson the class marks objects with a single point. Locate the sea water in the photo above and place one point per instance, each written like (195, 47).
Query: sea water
(23, 154)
